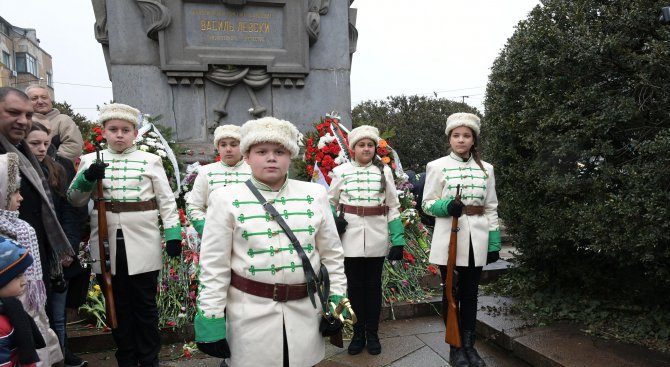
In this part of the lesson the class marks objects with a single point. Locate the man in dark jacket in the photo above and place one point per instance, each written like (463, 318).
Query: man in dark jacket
(37, 208)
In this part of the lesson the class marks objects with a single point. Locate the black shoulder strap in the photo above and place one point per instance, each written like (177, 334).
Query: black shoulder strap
(310, 275)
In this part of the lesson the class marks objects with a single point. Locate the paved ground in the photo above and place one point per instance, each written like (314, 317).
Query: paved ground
(415, 342)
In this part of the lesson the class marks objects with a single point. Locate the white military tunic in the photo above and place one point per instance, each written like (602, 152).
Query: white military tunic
(132, 176)
(210, 177)
(353, 184)
(240, 236)
(477, 188)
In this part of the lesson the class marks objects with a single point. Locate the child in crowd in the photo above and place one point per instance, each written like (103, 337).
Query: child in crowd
(232, 169)
(34, 297)
(19, 335)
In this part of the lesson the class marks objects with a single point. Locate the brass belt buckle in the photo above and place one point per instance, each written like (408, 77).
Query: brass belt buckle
(276, 293)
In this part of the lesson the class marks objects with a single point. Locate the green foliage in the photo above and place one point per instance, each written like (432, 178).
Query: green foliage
(577, 111)
(413, 125)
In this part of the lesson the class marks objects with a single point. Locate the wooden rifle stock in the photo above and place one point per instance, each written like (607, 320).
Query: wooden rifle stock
(453, 332)
(103, 245)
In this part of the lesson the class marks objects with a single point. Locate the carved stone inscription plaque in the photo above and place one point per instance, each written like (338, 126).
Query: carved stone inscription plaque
(270, 33)
(211, 25)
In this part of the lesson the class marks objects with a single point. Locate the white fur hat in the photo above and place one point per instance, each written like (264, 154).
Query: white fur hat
(10, 177)
(269, 130)
(226, 131)
(363, 132)
(462, 119)
(119, 111)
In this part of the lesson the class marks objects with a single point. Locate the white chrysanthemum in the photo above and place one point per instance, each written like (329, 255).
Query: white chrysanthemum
(325, 140)
(161, 153)
(144, 147)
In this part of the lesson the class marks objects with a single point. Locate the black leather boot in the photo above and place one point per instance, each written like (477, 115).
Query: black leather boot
(358, 340)
(469, 347)
(457, 357)
(374, 346)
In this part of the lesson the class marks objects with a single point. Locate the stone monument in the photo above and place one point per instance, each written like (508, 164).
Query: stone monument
(202, 63)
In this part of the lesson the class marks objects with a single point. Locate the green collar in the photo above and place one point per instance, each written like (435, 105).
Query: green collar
(129, 150)
(458, 158)
(356, 164)
(234, 166)
(261, 186)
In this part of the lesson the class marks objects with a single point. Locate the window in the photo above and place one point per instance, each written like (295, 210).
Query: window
(50, 80)
(25, 63)
(6, 60)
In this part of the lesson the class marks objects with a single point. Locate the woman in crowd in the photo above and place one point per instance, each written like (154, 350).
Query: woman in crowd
(364, 190)
(59, 173)
(478, 235)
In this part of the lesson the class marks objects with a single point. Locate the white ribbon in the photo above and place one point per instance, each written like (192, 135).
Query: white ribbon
(170, 154)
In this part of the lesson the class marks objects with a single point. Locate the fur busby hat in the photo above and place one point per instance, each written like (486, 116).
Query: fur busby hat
(14, 260)
(363, 132)
(226, 131)
(119, 111)
(463, 119)
(10, 177)
(269, 130)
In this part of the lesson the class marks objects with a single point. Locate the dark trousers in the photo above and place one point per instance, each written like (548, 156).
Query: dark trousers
(466, 286)
(137, 336)
(364, 288)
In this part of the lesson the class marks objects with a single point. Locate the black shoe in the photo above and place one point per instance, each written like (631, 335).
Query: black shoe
(469, 347)
(457, 357)
(72, 360)
(357, 343)
(374, 347)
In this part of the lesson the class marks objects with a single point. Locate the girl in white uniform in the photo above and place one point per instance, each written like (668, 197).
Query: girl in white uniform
(477, 210)
(365, 190)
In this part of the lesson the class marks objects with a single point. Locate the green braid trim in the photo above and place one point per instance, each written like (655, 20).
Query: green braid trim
(199, 225)
(333, 209)
(209, 329)
(494, 240)
(396, 232)
(173, 233)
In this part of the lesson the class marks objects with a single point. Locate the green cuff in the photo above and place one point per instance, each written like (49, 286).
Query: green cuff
(396, 232)
(494, 240)
(173, 233)
(199, 225)
(439, 208)
(82, 184)
(209, 329)
(333, 209)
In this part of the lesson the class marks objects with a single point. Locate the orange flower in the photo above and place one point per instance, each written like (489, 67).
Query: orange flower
(382, 143)
(386, 160)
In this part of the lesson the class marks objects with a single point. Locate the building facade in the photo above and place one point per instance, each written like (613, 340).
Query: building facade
(22, 60)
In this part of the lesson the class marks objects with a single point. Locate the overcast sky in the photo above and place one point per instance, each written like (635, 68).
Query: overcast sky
(404, 47)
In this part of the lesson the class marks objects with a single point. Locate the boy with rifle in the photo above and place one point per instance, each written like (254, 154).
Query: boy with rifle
(478, 233)
(136, 191)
